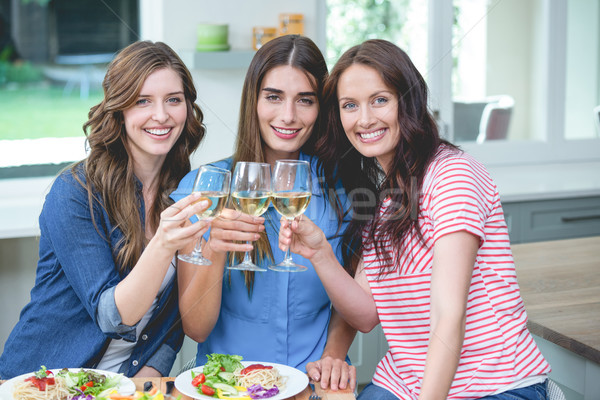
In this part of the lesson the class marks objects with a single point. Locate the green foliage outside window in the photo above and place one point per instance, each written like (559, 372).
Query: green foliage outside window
(350, 22)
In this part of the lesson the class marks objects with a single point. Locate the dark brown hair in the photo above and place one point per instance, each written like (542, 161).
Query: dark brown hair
(363, 178)
(296, 51)
(108, 168)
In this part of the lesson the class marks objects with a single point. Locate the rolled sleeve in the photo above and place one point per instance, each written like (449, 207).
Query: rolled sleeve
(162, 360)
(109, 318)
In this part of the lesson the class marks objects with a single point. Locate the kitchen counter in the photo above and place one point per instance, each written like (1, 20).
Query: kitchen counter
(547, 181)
(21, 200)
(560, 285)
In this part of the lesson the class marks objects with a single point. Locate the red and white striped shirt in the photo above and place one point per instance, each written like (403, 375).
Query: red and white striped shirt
(457, 195)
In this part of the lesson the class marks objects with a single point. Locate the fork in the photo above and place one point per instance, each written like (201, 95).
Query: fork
(313, 395)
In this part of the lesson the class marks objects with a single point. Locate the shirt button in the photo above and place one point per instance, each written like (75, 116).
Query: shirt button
(135, 363)
(144, 337)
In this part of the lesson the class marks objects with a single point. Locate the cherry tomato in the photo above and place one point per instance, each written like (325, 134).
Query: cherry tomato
(198, 379)
(207, 390)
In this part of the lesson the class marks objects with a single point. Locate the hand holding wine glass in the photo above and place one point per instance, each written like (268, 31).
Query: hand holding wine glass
(213, 184)
(292, 184)
(250, 193)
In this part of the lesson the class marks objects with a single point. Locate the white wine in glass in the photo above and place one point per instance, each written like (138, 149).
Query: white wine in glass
(213, 184)
(292, 184)
(250, 194)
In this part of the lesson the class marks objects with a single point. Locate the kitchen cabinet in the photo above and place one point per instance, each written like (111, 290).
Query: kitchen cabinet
(366, 351)
(537, 220)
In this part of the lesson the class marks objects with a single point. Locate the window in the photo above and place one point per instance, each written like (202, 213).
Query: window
(53, 56)
(513, 81)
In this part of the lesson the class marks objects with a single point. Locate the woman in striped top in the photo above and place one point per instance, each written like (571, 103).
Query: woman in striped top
(428, 246)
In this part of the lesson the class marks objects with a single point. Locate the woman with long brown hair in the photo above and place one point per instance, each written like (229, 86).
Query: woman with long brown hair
(105, 294)
(270, 316)
(427, 254)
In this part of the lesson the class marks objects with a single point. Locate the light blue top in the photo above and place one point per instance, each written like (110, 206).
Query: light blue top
(286, 319)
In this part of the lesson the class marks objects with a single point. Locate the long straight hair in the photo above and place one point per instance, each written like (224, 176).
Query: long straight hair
(298, 52)
(108, 168)
(366, 183)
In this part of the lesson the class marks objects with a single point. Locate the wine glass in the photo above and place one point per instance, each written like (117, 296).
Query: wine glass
(213, 185)
(250, 194)
(291, 187)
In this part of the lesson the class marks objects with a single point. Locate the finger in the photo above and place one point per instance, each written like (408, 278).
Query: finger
(313, 369)
(339, 376)
(177, 207)
(325, 375)
(182, 215)
(234, 235)
(222, 246)
(352, 377)
(238, 225)
(235, 215)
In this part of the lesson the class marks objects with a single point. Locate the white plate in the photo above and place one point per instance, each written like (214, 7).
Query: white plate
(126, 386)
(296, 382)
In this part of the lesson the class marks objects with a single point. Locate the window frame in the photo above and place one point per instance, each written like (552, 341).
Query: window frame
(556, 148)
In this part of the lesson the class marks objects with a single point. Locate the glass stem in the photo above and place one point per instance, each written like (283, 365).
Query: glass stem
(197, 249)
(288, 256)
(247, 259)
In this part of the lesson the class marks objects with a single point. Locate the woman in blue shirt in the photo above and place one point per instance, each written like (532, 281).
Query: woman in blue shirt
(270, 316)
(105, 294)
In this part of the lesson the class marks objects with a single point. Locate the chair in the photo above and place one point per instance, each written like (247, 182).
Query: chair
(597, 119)
(554, 392)
(467, 118)
(188, 365)
(495, 118)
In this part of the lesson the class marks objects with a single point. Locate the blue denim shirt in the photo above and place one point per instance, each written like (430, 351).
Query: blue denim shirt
(72, 313)
(286, 318)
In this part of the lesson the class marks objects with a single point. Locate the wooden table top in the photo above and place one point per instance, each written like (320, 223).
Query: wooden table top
(325, 395)
(560, 285)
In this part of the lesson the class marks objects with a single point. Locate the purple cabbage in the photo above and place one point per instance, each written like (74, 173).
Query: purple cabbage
(259, 392)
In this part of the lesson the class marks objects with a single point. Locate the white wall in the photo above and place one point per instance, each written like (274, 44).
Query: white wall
(219, 91)
(509, 64)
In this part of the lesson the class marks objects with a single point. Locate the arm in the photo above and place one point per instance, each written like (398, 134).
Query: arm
(453, 261)
(136, 292)
(333, 366)
(351, 297)
(83, 245)
(200, 288)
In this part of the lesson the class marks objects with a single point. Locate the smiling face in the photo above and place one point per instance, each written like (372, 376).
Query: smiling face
(287, 109)
(369, 113)
(156, 120)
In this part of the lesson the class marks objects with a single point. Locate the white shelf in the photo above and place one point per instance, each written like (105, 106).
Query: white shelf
(231, 59)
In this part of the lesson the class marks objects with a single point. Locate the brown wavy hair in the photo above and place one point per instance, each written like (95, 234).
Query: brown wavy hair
(108, 169)
(299, 52)
(366, 183)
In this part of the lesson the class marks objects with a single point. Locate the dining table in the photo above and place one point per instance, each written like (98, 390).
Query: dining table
(161, 383)
(560, 286)
(345, 394)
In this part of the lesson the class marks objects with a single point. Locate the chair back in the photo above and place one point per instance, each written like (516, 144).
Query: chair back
(495, 119)
(553, 392)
